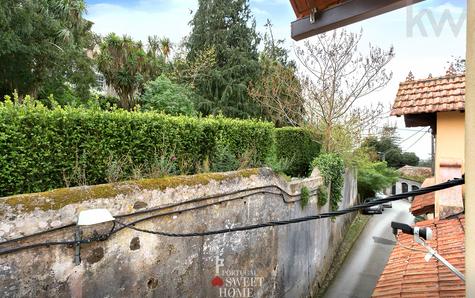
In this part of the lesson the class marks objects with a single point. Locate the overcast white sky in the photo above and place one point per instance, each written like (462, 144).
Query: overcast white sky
(423, 42)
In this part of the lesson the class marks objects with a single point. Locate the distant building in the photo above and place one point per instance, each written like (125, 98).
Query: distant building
(438, 103)
(410, 179)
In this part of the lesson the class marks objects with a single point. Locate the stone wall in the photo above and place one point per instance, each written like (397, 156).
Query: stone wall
(284, 261)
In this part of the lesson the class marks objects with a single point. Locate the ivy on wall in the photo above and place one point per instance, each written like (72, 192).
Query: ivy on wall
(332, 169)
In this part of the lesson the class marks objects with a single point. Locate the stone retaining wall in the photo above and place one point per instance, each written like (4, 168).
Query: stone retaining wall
(285, 261)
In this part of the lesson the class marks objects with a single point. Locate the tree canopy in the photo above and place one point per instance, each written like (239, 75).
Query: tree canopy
(44, 48)
(163, 95)
(388, 149)
(338, 75)
(127, 66)
(227, 28)
(277, 89)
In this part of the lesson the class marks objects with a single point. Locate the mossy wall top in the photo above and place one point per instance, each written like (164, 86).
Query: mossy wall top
(42, 149)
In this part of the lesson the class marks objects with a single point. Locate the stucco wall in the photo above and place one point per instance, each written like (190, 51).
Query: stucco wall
(450, 138)
(450, 151)
(285, 261)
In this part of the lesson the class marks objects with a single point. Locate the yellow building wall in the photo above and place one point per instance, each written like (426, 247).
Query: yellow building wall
(449, 149)
(450, 138)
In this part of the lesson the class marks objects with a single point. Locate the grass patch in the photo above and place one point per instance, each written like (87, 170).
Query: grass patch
(350, 238)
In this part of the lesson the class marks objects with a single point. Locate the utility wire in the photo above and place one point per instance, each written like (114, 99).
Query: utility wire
(421, 191)
(412, 135)
(258, 190)
(414, 142)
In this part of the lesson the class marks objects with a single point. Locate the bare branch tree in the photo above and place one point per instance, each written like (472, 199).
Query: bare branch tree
(336, 75)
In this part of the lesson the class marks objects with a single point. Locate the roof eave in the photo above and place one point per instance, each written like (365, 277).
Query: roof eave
(345, 13)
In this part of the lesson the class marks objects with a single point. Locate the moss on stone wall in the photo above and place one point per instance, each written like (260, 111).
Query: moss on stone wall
(58, 198)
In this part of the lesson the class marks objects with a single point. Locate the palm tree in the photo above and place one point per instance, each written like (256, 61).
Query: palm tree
(165, 47)
(154, 46)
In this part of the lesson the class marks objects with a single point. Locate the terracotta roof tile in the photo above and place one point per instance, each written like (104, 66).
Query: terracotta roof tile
(407, 274)
(431, 95)
(424, 203)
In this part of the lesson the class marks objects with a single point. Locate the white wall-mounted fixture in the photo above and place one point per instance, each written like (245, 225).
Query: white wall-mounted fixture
(91, 219)
(94, 216)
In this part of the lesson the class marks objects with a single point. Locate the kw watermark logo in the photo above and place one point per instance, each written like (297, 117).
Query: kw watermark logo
(235, 282)
(436, 19)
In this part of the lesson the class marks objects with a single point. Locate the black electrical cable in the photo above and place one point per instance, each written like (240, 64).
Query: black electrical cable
(53, 243)
(312, 193)
(150, 210)
(94, 238)
(283, 194)
(421, 191)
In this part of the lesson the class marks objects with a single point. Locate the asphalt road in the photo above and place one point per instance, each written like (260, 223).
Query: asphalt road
(366, 261)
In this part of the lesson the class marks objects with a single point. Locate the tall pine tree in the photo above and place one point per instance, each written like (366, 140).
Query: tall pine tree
(228, 28)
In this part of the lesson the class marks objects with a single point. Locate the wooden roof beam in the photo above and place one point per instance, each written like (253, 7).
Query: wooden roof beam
(346, 13)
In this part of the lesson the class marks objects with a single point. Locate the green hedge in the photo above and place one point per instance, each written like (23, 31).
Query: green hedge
(40, 148)
(299, 147)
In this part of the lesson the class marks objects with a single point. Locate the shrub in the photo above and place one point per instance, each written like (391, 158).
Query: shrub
(280, 166)
(374, 177)
(163, 95)
(332, 169)
(322, 195)
(42, 149)
(297, 145)
(224, 160)
(304, 196)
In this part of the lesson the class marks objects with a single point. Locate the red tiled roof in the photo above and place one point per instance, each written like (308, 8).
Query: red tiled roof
(424, 203)
(407, 274)
(415, 171)
(430, 95)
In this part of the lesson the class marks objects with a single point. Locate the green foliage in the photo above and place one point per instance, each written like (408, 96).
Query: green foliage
(165, 96)
(126, 66)
(304, 196)
(41, 149)
(297, 145)
(278, 91)
(227, 28)
(322, 195)
(374, 177)
(43, 48)
(123, 168)
(224, 160)
(332, 169)
(388, 149)
(277, 165)
(409, 158)
(275, 49)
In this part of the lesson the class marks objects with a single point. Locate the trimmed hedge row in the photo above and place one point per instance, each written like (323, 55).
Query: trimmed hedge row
(41, 148)
(298, 146)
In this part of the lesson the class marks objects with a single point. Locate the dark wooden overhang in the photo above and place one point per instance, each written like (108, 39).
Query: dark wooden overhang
(318, 16)
(418, 120)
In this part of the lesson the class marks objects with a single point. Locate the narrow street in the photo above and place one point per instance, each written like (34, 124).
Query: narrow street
(366, 261)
